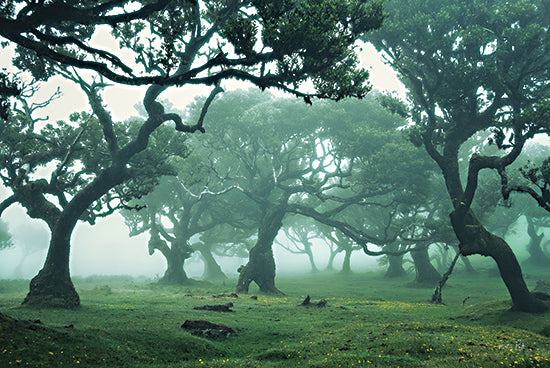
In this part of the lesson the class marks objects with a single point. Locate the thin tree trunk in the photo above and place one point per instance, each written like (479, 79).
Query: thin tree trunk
(330, 264)
(309, 253)
(346, 265)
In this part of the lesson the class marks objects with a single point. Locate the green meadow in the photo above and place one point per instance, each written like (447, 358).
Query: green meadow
(368, 321)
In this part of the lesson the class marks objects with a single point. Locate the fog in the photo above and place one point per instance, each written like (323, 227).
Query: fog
(106, 249)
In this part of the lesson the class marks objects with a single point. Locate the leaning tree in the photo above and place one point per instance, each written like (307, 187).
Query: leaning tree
(82, 182)
(276, 44)
(473, 66)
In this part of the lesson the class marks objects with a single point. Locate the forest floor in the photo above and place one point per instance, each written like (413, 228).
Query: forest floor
(368, 321)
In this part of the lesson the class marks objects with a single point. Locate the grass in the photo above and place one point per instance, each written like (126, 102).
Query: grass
(368, 322)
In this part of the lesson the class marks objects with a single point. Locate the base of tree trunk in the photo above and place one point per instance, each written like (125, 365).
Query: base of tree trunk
(265, 281)
(395, 272)
(52, 290)
(175, 280)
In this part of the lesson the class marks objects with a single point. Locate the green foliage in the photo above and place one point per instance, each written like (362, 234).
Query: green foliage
(5, 236)
(464, 56)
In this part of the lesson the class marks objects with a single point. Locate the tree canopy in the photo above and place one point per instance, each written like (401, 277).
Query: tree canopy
(158, 44)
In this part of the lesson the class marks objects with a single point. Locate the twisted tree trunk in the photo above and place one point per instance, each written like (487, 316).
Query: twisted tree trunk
(212, 270)
(261, 264)
(426, 273)
(475, 239)
(537, 257)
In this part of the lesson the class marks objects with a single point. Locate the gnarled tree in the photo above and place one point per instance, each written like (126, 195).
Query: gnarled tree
(473, 66)
(172, 43)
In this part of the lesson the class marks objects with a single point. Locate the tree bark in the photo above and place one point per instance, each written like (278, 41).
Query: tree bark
(346, 265)
(395, 267)
(52, 286)
(475, 239)
(175, 260)
(212, 270)
(330, 263)
(261, 263)
(426, 274)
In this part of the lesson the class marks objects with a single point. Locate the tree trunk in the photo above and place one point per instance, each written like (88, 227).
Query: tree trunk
(330, 264)
(346, 265)
(52, 286)
(475, 239)
(537, 257)
(261, 264)
(212, 270)
(175, 260)
(426, 274)
(309, 253)
(395, 267)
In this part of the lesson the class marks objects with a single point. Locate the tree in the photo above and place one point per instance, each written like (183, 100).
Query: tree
(273, 154)
(85, 180)
(391, 186)
(472, 67)
(174, 43)
(31, 239)
(178, 209)
(300, 233)
(230, 239)
(5, 236)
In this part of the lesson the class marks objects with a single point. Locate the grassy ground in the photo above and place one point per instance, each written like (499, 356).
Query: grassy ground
(368, 322)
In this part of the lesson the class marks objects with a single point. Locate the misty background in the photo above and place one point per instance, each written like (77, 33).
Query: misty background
(106, 248)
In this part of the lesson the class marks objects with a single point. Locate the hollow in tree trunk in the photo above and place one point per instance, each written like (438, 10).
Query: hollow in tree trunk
(475, 239)
(261, 263)
(426, 274)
